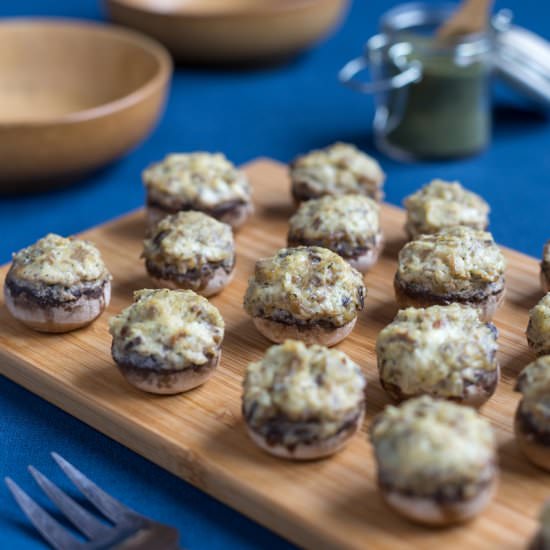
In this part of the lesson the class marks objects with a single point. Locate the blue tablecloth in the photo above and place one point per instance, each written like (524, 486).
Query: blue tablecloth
(278, 112)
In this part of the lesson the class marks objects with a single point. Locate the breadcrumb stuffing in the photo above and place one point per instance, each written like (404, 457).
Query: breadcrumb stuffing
(188, 241)
(438, 350)
(351, 220)
(538, 329)
(56, 260)
(456, 259)
(534, 385)
(441, 204)
(338, 169)
(199, 181)
(308, 284)
(177, 328)
(298, 383)
(428, 446)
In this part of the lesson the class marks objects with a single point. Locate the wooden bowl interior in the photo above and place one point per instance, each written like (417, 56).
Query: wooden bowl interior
(49, 70)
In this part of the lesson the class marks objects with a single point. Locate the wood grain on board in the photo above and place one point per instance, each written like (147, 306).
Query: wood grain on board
(199, 436)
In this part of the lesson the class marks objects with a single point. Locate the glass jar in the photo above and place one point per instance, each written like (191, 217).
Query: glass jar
(432, 97)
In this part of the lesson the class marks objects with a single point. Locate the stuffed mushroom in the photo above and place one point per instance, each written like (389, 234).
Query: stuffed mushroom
(538, 329)
(437, 461)
(198, 181)
(339, 169)
(190, 250)
(441, 204)
(457, 264)
(442, 351)
(167, 341)
(532, 421)
(348, 225)
(57, 284)
(303, 402)
(306, 293)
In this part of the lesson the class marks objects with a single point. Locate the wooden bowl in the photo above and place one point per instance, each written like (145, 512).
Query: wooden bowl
(230, 31)
(73, 97)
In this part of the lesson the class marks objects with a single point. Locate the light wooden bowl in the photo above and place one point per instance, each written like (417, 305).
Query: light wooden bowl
(234, 31)
(73, 97)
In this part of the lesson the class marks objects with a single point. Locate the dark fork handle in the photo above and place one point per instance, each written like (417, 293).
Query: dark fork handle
(158, 536)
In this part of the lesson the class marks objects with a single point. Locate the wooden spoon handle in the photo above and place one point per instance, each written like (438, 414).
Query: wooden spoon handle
(471, 17)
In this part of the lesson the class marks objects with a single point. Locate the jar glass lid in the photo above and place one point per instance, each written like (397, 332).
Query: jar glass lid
(522, 59)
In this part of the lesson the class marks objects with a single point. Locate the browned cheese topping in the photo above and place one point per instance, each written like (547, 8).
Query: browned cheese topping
(305, 284)
(200, 181)
(298, 384)
(428, 446)
(455, 260)
(57, 264)
(177, 327)
(188, 241)
(437, 350)
(441, 204)
(538, 329)
(534, 385)
(339, 169)
(350, 219)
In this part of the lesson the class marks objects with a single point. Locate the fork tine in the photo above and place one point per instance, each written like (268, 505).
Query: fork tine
(78, 516)
(48, 527)
(110, 507)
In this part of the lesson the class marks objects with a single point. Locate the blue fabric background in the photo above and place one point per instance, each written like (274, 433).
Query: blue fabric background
(278, 112)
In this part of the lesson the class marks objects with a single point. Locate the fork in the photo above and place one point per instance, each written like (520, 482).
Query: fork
(130, 530)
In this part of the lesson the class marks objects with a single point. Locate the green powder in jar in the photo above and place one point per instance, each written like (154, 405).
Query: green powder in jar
(445, 114)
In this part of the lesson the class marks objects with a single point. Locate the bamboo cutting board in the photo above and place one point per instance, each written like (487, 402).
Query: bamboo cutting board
(199, 436)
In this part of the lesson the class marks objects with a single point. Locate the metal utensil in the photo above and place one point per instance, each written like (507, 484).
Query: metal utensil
(128, 530)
